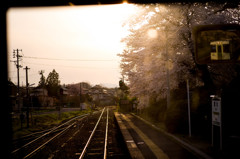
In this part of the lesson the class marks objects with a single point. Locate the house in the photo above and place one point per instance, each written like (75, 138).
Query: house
(102, 96)
(39, 97)
(84, 86)
(64, 91)
(12, 93)
(39, 91)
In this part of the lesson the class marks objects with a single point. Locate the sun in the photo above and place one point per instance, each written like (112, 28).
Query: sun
(125, 2)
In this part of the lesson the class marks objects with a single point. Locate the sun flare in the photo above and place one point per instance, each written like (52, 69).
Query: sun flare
(152, 33)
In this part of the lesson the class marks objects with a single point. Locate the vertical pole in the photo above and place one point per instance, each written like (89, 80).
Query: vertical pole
(26, 68)
(189, 111)
(168, 84)
(18, 87)
(217, 120)
(212, 136)
(80, 96)
(220, 123)
(18, 76)
(18, 80)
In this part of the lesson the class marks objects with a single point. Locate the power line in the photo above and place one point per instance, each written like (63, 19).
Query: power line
(22, 76)
(57, 59)
(68, 66)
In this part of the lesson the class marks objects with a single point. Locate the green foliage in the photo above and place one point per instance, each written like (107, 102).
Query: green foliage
(201, 111)
(53, 84)
(123, 87)
(42, 121)
(157, 109)
(176, 116)
(42, 82)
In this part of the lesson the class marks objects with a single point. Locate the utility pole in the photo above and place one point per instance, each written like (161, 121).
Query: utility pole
(80, 95)
(168, 80)
(189, 111)
(167, 59)
(16, 54)
(27, 84)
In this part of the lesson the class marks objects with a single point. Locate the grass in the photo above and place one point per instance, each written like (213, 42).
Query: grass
(42, 122)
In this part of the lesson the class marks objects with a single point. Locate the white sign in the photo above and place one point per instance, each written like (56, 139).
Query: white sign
(216, 112)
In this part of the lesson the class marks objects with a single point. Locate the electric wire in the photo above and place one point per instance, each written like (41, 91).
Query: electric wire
(58, 59)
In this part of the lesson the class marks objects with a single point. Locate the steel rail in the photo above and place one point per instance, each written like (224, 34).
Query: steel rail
(89, 139)
(33, 134)
(106, 138)
(51, 130)
(49, 141)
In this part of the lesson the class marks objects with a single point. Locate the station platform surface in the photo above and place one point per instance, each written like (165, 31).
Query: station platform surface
(146, 141)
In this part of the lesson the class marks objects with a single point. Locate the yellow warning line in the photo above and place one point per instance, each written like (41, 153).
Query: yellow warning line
(131, 145)
(155, 149)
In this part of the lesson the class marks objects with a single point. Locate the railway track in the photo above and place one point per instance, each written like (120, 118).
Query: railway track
(32, 143)
(96, 146)
(105, 140)
(94, 135)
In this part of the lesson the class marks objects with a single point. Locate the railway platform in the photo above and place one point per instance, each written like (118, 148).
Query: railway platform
(144, 140)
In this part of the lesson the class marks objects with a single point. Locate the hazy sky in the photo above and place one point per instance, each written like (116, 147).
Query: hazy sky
(80, 43)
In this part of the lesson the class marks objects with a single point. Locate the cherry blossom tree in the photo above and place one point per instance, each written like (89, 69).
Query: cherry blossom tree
(159, 52)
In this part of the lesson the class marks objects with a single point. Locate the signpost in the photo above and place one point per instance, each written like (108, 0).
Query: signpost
(216, 111)
(216, 117)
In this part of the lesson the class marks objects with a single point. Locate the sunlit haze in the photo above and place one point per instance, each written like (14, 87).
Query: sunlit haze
(80, 42)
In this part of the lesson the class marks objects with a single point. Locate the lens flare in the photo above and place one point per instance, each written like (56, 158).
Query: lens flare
(152, 33)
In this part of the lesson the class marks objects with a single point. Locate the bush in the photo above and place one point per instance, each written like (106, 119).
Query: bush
(156, 110)
(176, 117)
(176, 120)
